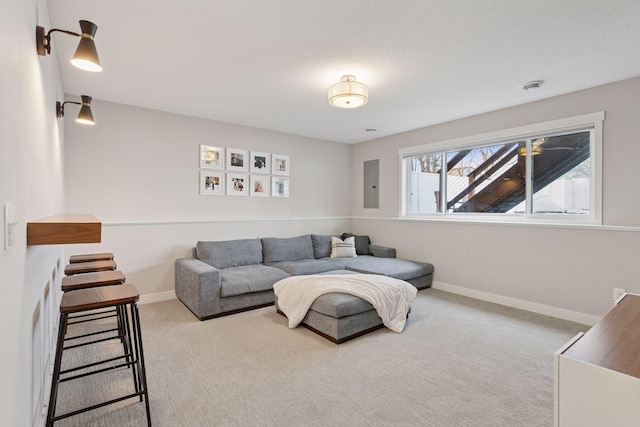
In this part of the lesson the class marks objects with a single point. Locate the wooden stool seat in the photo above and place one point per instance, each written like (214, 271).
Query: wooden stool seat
(91, 280)
(105, 256)
(89, 267)
(99, 297)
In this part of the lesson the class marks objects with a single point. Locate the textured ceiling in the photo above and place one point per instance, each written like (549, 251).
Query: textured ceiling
(269, 63)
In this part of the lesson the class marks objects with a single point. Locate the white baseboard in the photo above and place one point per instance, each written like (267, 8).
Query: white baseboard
(547, 310)
(157, 297)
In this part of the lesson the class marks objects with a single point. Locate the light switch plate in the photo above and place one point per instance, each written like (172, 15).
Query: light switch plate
(9, 225)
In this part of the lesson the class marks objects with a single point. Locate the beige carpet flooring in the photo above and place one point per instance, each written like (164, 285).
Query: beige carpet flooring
(459, 362)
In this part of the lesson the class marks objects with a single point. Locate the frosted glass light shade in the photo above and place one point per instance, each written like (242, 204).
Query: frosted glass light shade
(348, 93)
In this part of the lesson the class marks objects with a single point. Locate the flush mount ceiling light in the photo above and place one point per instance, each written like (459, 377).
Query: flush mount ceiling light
(533, 85)
(348, 93)
(86, 56)
(85, 116)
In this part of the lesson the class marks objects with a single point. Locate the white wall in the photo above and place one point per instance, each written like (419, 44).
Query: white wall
(137, 171)
(570, 269)
(31, 178)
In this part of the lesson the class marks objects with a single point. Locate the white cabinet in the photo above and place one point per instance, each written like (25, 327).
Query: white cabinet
(597, 374)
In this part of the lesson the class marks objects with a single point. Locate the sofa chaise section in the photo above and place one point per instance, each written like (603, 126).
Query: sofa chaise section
(418, 274)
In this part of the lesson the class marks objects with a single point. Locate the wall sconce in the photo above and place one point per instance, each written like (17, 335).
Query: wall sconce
(86, 56)
(85, 116)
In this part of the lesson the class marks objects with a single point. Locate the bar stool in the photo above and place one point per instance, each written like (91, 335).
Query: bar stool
(92, 280)
(87, 272)
(125, 296)
(104, 256)
(89, 267)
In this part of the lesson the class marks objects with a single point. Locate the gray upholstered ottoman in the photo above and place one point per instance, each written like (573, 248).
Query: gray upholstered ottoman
(340, 317)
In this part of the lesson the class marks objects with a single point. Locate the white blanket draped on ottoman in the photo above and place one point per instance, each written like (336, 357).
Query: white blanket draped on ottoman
(390, 297)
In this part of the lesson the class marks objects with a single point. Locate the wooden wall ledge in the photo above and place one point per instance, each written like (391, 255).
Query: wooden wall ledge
(64, 229)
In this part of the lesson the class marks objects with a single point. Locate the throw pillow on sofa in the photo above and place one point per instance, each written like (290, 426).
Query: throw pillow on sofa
(362, 243)
(343, 248)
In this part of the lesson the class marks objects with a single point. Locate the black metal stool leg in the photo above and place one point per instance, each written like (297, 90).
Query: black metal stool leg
(131, 343)
(122, 312)
(142, 369)
(62, 331)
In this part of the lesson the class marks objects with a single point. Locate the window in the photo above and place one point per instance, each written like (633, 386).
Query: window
(547, 172)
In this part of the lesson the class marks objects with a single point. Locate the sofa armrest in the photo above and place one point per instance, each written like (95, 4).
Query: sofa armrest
(198, 286)
(382, 251)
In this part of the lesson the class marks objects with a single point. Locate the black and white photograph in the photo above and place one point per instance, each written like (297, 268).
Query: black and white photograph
(280, 164)
(237, 160)
(260, 162)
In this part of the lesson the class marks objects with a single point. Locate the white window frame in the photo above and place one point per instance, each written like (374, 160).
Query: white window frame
(592, 122)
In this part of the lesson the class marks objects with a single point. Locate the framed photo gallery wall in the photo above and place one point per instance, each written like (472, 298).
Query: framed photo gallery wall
(237, 172)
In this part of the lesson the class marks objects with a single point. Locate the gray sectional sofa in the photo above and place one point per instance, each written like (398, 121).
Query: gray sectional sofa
(226, 277)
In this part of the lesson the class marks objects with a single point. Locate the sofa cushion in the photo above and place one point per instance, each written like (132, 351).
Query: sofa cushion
(343, 248)
(230, 253)
(275, 249)
(306, 266)
(393, 267)
(249, 278)
(362, 243)
(341, 271)
(340, 305)
(321, 245)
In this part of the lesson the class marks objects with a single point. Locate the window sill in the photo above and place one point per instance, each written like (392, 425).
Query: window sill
(441, 219)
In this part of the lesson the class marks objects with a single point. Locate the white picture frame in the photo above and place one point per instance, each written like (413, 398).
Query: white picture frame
(260, 162)
(280, 164)
(211, 157)
(260, 186)
(237, 184)
(237, 159)
(211, 183)
(280, 187)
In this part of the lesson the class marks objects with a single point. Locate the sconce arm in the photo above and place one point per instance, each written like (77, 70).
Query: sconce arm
(47, 37)
(60, 107)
